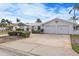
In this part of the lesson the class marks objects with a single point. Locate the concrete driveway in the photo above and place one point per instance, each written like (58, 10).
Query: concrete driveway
(50, 40)
(43, 45)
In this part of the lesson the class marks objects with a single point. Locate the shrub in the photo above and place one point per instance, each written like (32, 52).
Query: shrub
(18, 29)
(23, 34)
(35, 31)
(12, 33)
(38, 31)
(42, 30)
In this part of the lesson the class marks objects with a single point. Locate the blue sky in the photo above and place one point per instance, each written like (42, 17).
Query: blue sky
(29, 12)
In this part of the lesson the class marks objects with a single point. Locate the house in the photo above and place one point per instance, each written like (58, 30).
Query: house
(33, 26)
(54, 26)
(59, 26)
(20, 25)
(5, 26)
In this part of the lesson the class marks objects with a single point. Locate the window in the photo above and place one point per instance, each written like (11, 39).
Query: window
(32, 27)
(75, 27)
(27, 29)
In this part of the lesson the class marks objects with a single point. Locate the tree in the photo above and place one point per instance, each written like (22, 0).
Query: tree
(75, 7)
(18, 20)
(38, 20)
(8, 22)
(3, 21)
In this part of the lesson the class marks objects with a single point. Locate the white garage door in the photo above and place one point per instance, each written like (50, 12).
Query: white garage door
(63, 29)
(59, 29)
(50, 29)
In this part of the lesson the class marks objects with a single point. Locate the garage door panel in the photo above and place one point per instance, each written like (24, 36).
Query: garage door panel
(57, 29)
(63, 29)
(50, 29)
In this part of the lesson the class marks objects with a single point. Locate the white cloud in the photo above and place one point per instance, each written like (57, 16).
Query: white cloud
(30, 12)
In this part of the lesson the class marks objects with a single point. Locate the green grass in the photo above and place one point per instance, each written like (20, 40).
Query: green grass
(3, 32)
(75, 47)
(74, 36)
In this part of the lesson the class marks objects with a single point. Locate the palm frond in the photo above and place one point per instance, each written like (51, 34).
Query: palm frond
(70, 11)
(76, 6)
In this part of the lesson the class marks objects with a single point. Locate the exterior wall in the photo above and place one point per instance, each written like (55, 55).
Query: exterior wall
(14, 28)
(58, 22)
(2, 28)
(71, 29)
(57, 27)
(75, 32)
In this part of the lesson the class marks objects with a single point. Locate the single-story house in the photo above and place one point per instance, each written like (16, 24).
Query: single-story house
(33, 26)
(20, 25)
(59, 26)
(54, 26)
(5, 26)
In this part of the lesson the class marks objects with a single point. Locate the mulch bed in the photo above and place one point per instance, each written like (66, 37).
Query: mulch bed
(4, 39)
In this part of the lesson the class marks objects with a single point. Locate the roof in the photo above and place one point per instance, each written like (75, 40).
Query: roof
(21, 24)
(34, 24)
(61, 20)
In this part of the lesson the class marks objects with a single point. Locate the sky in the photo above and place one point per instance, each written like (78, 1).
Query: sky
(29, 12)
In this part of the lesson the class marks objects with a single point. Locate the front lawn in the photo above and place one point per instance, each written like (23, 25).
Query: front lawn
(74, 36)
(75, 47)
(3, 32)
(75, 42)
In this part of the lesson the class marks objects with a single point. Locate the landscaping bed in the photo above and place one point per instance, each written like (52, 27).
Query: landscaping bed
(14, 35)
(4, 39)
(3, 32)
(40, 31)
(20, 33)
(75, 42)
(23, 34)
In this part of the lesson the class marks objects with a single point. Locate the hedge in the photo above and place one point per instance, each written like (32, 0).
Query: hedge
(19, 33)
(38, 31)
(18, 29)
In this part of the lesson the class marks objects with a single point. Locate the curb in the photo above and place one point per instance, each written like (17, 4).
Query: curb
(17, 52)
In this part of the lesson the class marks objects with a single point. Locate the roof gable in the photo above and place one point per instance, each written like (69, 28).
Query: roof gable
(57, 19)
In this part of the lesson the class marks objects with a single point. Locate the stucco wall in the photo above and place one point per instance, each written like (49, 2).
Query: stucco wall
(75, 32)
(58, 22)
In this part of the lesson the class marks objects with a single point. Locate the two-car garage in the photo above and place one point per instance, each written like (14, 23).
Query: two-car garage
(57, 29)
(58, 26)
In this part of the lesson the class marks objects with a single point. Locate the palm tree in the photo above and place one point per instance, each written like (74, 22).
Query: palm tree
(75, 7)
(38, 20)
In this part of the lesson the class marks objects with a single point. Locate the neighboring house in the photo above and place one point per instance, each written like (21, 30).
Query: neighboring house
(27, 26)
(20, 25)
(33, 26)
(59, 26)
(4, 26)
